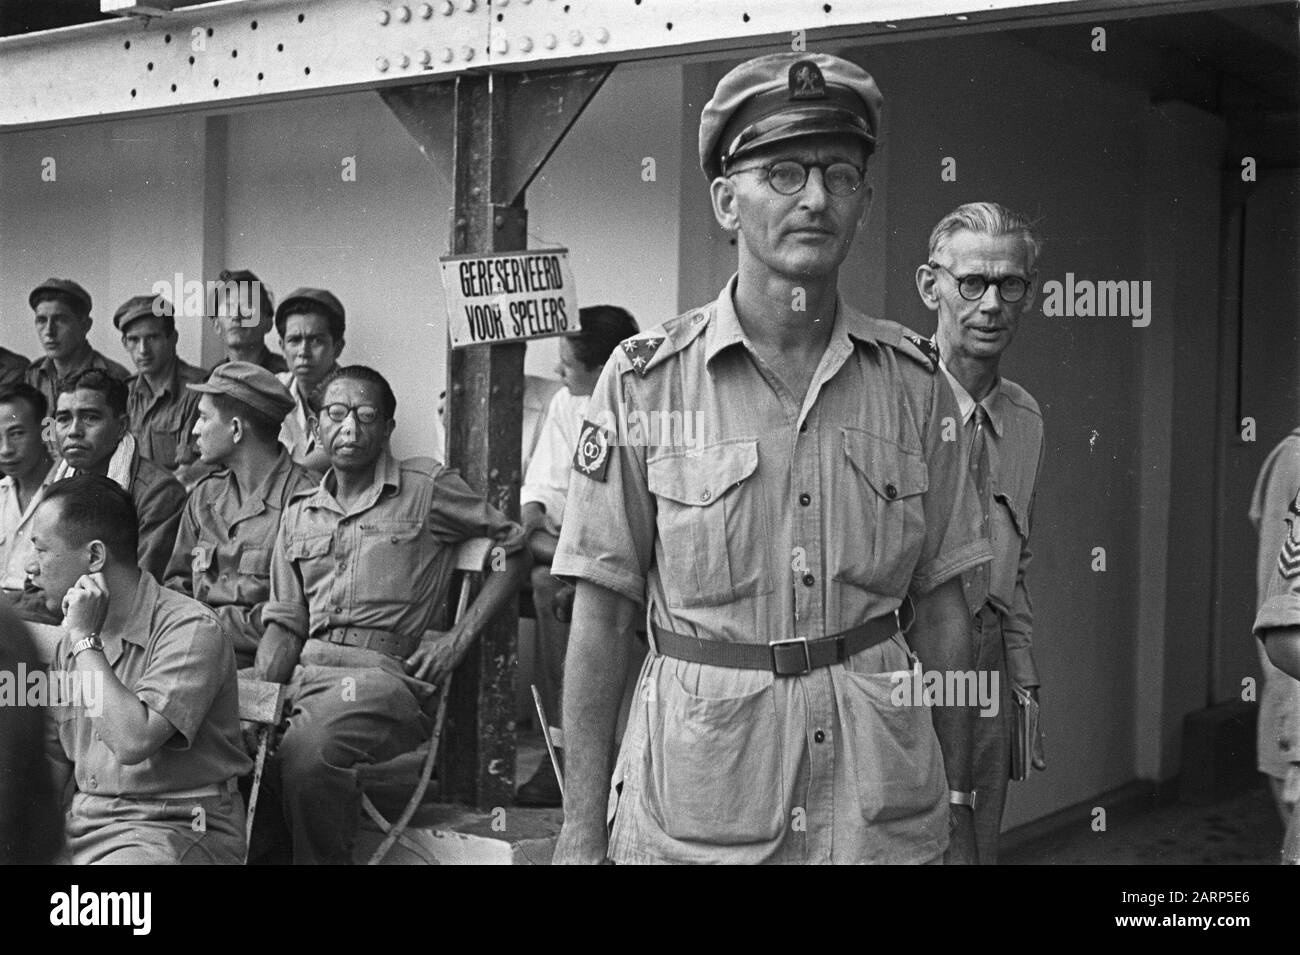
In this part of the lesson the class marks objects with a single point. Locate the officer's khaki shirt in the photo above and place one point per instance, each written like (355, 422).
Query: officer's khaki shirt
(1015, 445)
(162, 420)
(1274, 512)
(384, 564)
(761, 519)
(296, 432)
(223, 548)
(44, 377)
(175, 658)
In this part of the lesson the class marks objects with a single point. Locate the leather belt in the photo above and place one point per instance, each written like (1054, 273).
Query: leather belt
(385, 641)
(200, 792)
(783, 657)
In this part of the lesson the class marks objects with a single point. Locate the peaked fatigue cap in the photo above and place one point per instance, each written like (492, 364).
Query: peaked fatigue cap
(320, 298)
(783, 95)
(251, 384)
(141, 306)
(65, 286)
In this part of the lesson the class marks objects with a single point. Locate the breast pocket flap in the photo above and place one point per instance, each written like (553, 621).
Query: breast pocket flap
(892, 471)
(702, 477)
(303, 547)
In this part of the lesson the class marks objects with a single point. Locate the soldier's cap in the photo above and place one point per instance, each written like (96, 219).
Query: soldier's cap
(66, 286)
(251, 384)
(141, 306)
(781, 96)
(244, 276)
(318, 297)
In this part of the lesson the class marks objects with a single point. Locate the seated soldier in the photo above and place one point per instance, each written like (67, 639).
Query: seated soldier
(92, 431)
(541, 501)
(62, 311)
(162, 410)
(152, 740)
(223, 548)
(311, 323)
(359, 567)
(28, 469)
(244, 335)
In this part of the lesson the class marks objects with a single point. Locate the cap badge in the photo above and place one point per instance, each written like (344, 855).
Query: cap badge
(806, 81)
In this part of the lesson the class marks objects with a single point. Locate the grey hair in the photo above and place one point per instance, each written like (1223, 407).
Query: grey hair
(986, 218)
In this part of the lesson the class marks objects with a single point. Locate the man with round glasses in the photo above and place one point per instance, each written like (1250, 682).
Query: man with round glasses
(978, 278)
(775, 555)
(360, 566)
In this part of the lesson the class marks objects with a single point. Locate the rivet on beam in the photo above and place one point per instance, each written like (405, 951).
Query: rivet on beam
(526, 44)
(426, 59)
(602, 35)
(575, 37)
(467, 53)
(549, 41)
(447, 54)
(426, 11)
(447, 8)
(502, 45)
(404, 61)
(384, 17)
(381, 64)
(404, 14)
(469, 5)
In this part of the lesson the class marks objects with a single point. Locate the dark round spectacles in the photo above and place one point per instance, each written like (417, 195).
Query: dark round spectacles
(788, 176)
(1011, 288)
(338, 412)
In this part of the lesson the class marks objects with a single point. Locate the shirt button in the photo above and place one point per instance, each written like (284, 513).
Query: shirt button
(805, 499)
(707, 495)
(338, 609)
(891, 492)
(819, 737)
(809, 580)
(93, 782)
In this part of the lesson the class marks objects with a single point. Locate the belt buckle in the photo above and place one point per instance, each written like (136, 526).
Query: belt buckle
(777, 657)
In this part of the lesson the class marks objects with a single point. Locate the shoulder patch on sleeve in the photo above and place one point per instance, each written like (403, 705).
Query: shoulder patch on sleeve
(639, 351)
(591, 456)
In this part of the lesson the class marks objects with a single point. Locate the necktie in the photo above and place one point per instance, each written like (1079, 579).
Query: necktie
(977, 580)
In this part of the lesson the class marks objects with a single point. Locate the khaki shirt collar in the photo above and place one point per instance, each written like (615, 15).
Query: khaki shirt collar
(993, 402)
(139, 622)
(388, 474)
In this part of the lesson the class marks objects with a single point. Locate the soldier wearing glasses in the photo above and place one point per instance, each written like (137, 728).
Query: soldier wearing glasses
(775, 556)
(360, 565)
(978, 278)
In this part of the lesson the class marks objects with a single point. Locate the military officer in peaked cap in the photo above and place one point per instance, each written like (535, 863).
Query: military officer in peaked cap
(793, 559)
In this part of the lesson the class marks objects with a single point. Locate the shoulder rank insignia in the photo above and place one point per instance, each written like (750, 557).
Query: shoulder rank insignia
(591, 456)
(639, 351)
(927, 347)
(1288, 561)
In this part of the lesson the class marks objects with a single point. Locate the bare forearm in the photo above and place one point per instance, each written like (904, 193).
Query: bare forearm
(277, 654)
(123, 723)
(941, 639)
(593, 691)
(1283, 647)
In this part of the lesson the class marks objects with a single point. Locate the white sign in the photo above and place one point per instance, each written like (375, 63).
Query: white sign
(509, 296)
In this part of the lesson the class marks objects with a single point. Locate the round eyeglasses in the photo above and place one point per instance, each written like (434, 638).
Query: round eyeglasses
(338, 412)
(789, 176)
(1011, 288)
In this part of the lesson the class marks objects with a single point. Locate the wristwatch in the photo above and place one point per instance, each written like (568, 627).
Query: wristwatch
(91, 642)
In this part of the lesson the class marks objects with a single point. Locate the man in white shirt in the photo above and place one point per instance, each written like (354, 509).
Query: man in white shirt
(28, 469)
(541, 500)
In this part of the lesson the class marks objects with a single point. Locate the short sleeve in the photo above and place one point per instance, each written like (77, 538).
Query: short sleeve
(954, 539)
(608, 533)
(458, 513)
(187, 666)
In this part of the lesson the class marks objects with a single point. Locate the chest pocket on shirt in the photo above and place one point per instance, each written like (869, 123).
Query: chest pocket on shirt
(712, 524)
(306, 549)
(253, 583)
(878, 522)
(392, 554)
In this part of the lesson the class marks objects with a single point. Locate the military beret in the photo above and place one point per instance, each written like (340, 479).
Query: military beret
(63, 286)
(141, 306)
(251, 384)
(783, 95)
(319, 298)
